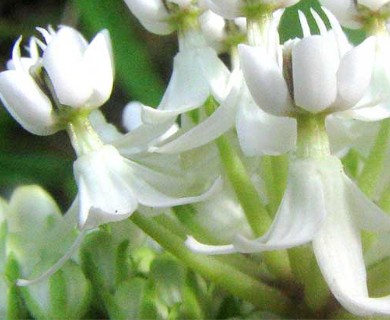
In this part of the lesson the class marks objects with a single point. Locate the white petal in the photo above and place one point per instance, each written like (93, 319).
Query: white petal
(260, 133)
(354, 74)
(131, 117)
(63, 61)
(104, 193)
(148, 195)
(265, 80)
(100, 69)
(195, 68)
(345, 11)
(315, 62)
(338, 250)
(229, 9)
(142, 138)
(197, 247)
(375, 113)
(57, 266)
(106, 131)
(214, 126)
(215, 73)
(302, 210)
(161, 28)
(367, 215)
(152, 14)
(26, 102)
(373, 4)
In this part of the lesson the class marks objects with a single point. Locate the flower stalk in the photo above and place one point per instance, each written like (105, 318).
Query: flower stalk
(239, 284)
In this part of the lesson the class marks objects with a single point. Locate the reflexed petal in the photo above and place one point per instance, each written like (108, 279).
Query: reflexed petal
(228, 9)
(63, 61)
(197, 247)
(32, 206)
(161, 28)
(375, 113)
(338, 250)
(214, 126)
(152, 15)
(99, 63)
(260, 133)
(215, 73)
(373, 4)
(104, 194)
(106, 131)
(345, 11)
(366, 214)
(142, 138)
(195, 68)
(265, 81)
(151, 188)
(302, 210)
(57, 266)
(26, 102)
(315, 62)
(354, 74)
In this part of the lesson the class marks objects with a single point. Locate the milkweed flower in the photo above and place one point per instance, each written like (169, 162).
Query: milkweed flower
(308, 79)
(238, 109)
(70, 73)
(58, 90)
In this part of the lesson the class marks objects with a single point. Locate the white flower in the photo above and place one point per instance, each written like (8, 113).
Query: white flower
(323, 206)
(317, 73)
(274, 135)
(111, 187)
(196, 65)
(70, 73)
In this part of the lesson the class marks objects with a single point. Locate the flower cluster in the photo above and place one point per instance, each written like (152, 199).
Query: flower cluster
(256, 154)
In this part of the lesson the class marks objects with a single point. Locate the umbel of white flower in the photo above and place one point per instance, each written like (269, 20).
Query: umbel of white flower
(309, 79)
(57, 90)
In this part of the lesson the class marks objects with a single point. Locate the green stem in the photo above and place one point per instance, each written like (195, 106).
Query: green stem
(312, 141)
(373, 167)
(237, 283)
(254, 209)
(274, 172)
(384, 201)
(249, 199)
(306, 271)
(82, 135)
(240, 262)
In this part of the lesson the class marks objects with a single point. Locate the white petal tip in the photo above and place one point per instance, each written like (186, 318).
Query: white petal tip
(197, 247)
(24, 282)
